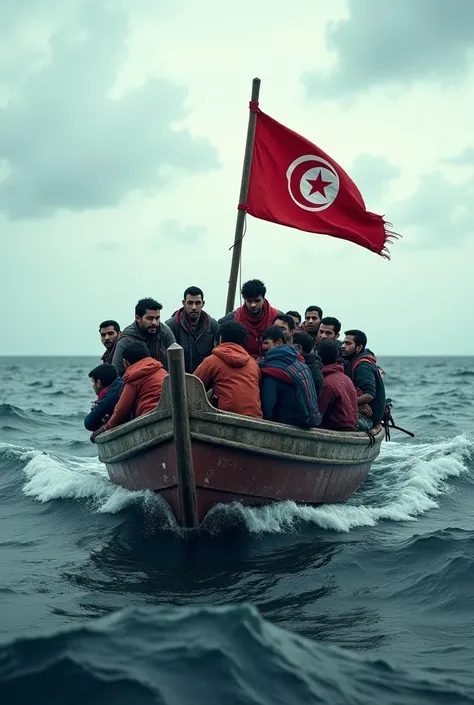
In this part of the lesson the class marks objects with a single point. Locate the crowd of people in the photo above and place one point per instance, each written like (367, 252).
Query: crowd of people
(256, 361)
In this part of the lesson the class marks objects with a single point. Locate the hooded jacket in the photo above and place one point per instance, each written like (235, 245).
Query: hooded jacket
(197, 343)
(367, 379)
(142, 385)
(338, 400)
(157, 346)
(288, 392)
(104, 406)
(235, 378)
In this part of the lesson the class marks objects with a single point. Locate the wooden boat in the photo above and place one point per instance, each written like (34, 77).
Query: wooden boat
(196, 456)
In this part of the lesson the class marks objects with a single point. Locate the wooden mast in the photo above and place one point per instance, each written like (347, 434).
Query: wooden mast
(244, 187)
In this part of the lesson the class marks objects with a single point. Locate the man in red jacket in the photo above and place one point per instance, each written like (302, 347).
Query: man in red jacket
(256, 315)
(142, 384)
(338, 398)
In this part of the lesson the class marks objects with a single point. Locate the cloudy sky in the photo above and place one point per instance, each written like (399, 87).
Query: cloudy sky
(122, 129)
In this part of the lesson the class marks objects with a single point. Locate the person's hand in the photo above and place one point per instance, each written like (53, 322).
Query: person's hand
(96, 433)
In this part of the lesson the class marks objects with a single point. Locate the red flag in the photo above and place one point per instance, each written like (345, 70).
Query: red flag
(295, 183)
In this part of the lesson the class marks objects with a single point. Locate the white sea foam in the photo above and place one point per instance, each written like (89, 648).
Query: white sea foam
(407, 480)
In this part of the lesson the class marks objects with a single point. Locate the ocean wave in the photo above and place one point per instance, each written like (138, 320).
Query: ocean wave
(172, 655)
(406, 481)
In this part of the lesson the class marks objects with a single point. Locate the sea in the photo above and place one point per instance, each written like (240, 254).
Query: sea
(103, 599)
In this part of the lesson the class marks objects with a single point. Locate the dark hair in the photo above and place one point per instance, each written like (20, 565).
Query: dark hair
(274, 333)
(287, 319)
(331, 321)
(315, 308)
(253, 289)
(360, 338)
(296, 314)
(193, 291)
(106, 324)
(134, 352)
(145, 305)
(105, 373)
(304, 340)
(328, 351)
(232, 332)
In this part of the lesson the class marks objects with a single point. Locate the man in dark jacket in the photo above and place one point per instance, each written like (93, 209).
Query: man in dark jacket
(304, 344)
(108, 387)
(338, 398)
(363, 370)
(109, 334)
(147, 329)
(288, 393)
(193, 329)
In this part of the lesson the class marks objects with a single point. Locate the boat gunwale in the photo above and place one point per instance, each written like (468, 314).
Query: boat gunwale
(201, 409)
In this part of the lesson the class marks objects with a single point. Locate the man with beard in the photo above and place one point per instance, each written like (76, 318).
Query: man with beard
(109, 334)
(363, 370)
(193, 329)
(256, 315)
(147, 328)
(311, 323)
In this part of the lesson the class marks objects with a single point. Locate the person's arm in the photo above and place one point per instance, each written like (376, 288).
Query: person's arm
(205, 373)
(117, 359)
(93, 420)
(168, 336)
(325, 398)
(364, 379)
(124, 407)
(268, 396)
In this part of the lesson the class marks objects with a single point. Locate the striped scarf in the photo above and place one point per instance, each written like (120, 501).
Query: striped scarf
(285, 364)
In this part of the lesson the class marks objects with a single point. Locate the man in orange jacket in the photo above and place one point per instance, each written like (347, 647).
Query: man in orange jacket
(142, 384)
(232, 373)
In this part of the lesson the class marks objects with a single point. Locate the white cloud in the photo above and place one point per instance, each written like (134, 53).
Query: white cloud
(130, 232)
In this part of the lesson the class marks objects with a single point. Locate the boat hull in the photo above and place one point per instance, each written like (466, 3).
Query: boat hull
(237, 459)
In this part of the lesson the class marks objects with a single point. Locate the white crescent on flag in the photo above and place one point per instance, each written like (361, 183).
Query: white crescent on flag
(313, 183)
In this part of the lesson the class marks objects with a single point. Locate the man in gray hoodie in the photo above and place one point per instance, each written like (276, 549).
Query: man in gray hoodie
(148, 329)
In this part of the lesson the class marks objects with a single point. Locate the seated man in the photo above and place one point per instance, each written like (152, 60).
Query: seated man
(142, 384)
(233, 375)
(147, 328)
(363, 371)
(338, 399)
(304, 344)
(296, 316)
(108, 387)
(109, 334)
(286, 322)
(255, 315)
(193, 329)
(287, 391)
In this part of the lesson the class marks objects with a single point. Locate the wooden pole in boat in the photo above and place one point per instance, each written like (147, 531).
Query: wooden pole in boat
(182, 436)
(244, 189)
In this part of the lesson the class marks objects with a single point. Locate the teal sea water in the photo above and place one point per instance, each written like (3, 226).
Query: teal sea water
(103, 599)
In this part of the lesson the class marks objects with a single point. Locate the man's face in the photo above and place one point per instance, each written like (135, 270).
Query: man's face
(327, 332)
(286, 328)
(312, 321)
(193, 307)
(149, 322)
(349, 348)
(255, 306)
(296, 320)
(268, 344)
(96, 386)
(108, 336)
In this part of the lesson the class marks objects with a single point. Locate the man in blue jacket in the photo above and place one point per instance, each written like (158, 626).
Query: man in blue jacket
(287, 391)
(108, 387)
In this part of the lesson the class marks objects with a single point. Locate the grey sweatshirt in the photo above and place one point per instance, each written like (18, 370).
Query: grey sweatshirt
(157, 345)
